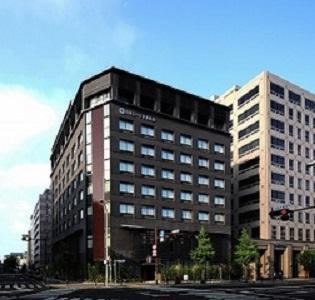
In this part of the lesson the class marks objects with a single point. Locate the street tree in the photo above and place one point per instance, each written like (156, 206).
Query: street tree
(306, 259)
(10, 264)
(246, 252)
(204, 253)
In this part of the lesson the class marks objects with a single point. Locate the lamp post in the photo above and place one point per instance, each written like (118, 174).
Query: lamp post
(27, 238)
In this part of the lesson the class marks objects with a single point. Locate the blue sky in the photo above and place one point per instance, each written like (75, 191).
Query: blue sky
(47, 47)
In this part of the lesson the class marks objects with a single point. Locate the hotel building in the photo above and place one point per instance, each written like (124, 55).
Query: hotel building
(134, 157)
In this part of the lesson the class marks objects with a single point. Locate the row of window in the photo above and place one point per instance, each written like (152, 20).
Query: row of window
(169, 213)
(148, 190)
(150, 171)
(169, 136)
(279, 144)
(294, 233)
(297, 132)
(293, 165)
(294, 98)
(280, 197)
(278, 108)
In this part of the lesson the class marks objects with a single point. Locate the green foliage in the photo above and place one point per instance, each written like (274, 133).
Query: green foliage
(173, 272)
(246, 251)
(306, 258)
(204, 252)
(92, 273)
(10, 264)
(196, 271)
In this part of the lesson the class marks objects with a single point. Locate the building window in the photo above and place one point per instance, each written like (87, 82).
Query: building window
(247, 114)
(219, 183)
(167, 135)
(291, 113)
(219, 218)
(167, 174)
(291, 181)
(126, 167)
(307, 218)
(203, 144)
(277, 160)
(276, 107)
(249, 130)
(185, 177)
(147, 130)
(277, 125)
(168, 213)
(277, 178)
(248, 147)
(203, 198)
(126, 146)
(218, 148)
(147, 150)
(251, 94)
(203, 180)
(277, 196)
(219, 201)
(81, 195)
(126, 188)
(147, 191)
(126, 125)
(291, 199)
(148, 171)
(167, 155)
(186, 214)
(203, 162)
(185, 140)
(127, 209)
(294, 98)
(167, 193)
(291, 164)
(185, 159)
(282, 233)
(291, 131)
(186, 196)
(291, 148)
(219, 165)
(300, 234)
(148, 211)
(203, 216)
(307, 120)
(277, 143)
(273, 232)
(81, 214)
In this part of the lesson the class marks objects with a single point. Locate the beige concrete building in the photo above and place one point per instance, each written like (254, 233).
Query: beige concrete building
(272, 124)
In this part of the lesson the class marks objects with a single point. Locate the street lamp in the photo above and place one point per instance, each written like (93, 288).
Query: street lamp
(27, 238)
(106, 206)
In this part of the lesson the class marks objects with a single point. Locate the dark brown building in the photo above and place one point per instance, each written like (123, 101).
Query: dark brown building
(150, 157)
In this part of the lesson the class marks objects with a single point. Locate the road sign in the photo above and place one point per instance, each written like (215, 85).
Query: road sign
(120, 261)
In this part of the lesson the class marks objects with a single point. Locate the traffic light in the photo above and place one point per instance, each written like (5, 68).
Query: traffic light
(283, 213)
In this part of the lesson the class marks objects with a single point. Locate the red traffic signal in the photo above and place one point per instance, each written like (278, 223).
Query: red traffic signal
(283, 213)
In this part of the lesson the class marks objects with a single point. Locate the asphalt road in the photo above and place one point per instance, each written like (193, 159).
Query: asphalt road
(291, 292)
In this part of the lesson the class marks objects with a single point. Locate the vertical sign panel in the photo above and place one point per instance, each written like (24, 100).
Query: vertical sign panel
(98, 182)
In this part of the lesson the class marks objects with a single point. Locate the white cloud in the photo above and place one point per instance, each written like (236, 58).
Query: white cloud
(25, 176)
(23, 115)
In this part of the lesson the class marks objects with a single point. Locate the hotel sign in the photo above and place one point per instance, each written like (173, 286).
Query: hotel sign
(124, 111)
